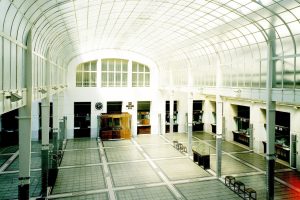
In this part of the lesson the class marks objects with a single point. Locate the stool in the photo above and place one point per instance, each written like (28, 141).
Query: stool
(179, 146)
(239, 187)
(229, 181)
(184, 149)
(249, 192)
(175, 142)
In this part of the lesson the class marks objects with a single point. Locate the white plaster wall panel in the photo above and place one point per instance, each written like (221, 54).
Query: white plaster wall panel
(6, 65)
(35, 123)
(20, 67)
(1, 64)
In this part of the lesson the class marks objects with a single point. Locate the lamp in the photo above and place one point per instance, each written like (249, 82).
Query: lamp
(43, 91)
(13, 97)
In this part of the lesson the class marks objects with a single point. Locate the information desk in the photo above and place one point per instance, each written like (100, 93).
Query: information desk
(198, 126)
(241, 137)
(144, 129)
(214, 128)
(282, 152)
(115, 126)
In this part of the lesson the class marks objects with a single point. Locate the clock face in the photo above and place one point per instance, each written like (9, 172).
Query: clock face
(98, 106)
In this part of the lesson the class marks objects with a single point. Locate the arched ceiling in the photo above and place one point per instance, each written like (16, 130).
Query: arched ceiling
(163, 30)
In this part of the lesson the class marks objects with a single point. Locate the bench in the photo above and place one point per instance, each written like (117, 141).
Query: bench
(229, 181)
(248, 194)
(202, 160)
(239, 188)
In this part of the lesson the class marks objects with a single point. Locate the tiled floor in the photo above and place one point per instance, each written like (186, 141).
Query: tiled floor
(9, 175)
(148, 167)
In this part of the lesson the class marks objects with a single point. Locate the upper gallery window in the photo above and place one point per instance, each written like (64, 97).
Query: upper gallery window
(114, 72)
(140, 75)
(86, 74)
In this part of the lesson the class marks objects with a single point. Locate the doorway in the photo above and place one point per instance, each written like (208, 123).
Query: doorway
(143, 117)
(9, 134)
(82, 119)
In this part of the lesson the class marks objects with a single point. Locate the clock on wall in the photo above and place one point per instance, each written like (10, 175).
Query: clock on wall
(98, 106)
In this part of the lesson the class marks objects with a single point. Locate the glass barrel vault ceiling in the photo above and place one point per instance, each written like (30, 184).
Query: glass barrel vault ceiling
(176, 34)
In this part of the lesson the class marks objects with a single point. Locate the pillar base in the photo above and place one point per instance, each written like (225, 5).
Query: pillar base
(24, 192)
(45, 158)
(219, 155)
(270, 178)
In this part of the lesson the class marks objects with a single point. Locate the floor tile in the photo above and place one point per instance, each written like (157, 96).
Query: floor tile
(149, 193)
(121, 154)
(129, 174)
(257, 160)
(150, 139)
(230, 165)
(183, 168)
(101, 196)
(162, 151)
(80, 157)
(82, 143)
(117, 143)
(212, 190)
(9, 185)
(35, 162)
(79, 179)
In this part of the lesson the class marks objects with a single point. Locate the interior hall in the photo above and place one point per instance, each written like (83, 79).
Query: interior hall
(150, 99)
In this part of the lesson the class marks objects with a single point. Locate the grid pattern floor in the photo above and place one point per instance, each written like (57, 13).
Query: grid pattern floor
(9, 185)
(148, 193)
(35, 162)
(121, 154)
(162, 151)
(230, 165)
(81, 157)
(212, 190)
(176, 169)
(148, 167)
(128, 174)
(79, 179)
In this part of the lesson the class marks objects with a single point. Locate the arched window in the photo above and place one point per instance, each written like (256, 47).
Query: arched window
(86, 74)
(114, 73)
(140, 75)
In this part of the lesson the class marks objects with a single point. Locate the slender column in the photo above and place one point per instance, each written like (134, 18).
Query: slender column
(271, 109)
(171, 111)
(190, 122)
(45, 132)
(159, 124)
(25, 127)
(45, 144)
(219, 117)
(55, 130)
(98, 126)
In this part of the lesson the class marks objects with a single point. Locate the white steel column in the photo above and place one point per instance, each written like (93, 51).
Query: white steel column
(25, 126)
(271, 109)
(219, 119)
(55, 129)
(45, 132)
(171, 111)
(190, 121)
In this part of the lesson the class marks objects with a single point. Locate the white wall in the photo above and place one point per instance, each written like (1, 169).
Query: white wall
(100, 94)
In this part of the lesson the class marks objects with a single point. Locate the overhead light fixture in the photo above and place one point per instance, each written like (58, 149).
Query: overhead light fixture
(42, 90)
(13, 96)
(238, 91)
